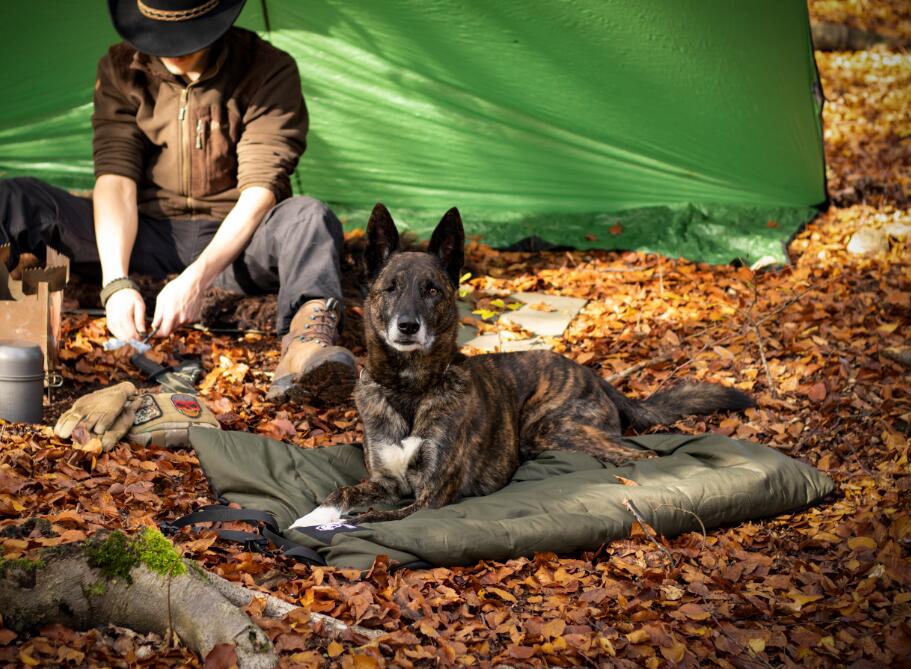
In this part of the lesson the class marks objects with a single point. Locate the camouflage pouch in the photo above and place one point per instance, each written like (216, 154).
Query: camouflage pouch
(164, 419)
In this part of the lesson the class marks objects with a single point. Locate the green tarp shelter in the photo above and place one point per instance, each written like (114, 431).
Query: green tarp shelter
(689, 127)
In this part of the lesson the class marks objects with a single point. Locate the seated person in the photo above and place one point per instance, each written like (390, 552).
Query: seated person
(198, 127)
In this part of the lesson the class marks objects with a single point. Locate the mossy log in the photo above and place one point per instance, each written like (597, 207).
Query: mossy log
(131, 583)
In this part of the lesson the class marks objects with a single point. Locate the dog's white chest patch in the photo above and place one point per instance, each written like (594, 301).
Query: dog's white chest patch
(395, 458)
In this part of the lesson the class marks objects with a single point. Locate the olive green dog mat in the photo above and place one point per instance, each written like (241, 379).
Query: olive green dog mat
(560, 502)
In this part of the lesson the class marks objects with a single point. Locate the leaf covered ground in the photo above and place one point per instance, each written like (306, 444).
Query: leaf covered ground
(830, 586)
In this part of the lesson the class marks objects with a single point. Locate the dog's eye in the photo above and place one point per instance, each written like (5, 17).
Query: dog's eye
(391, 287)
(433, 291)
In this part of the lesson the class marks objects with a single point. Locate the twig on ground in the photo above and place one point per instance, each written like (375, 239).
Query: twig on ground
(660, 279)
(730, 337)
(747, 650)
(762, 358)
(718, 625)
(755, 328)
(693, 514)
(628, 503)
(629, 371)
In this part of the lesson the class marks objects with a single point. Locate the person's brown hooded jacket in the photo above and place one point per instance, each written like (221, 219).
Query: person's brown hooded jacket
(192, 147)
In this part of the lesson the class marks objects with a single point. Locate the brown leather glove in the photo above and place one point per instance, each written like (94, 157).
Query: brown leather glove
(105, 413)
(165, 419)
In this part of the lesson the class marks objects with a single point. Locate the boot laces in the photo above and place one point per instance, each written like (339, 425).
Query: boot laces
(322, 324)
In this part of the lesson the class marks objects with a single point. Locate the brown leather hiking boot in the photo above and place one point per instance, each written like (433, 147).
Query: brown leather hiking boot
(312, 367)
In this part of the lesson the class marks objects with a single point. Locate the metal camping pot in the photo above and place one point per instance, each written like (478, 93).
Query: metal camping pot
(21, 381)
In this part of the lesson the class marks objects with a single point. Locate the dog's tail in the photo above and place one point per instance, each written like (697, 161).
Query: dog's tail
(670, 405)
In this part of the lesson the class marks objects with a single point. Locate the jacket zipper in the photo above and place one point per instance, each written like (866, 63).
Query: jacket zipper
(184, 160)
(183, 138)
(185, 142)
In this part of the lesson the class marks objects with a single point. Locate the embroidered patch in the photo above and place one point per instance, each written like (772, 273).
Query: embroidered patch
(187, 405)
(148, 410)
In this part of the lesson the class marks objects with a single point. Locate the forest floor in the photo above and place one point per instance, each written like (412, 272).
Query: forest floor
(830, 586)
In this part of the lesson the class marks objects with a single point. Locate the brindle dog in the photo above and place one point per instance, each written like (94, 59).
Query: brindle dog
(440, 426)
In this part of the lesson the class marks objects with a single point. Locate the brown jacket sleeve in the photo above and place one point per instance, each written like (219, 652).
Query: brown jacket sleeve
(275, 131)
(117, 142)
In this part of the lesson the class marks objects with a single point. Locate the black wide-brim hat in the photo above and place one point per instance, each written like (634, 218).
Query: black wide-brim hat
(173, 28)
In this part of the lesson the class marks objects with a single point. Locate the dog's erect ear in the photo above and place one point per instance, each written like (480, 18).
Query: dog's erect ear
(448, 244)
(382, 240)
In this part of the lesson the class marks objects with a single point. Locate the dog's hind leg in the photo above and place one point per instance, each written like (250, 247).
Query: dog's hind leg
(589, 440)
(578, 426)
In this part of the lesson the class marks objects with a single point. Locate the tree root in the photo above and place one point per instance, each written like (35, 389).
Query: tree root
(646, 528)
(639, 366)
(279, 608)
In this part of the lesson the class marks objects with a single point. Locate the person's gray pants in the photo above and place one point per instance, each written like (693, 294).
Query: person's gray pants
(294, 252)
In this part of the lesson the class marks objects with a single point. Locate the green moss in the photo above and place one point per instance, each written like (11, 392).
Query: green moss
(158, 554)
(21, 564)
(114, 557)
(117, 555)
(97, 589)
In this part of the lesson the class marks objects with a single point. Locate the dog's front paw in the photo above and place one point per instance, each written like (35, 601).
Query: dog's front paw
(369, 517)
(383, 516)
(321, 515)
(640, 455)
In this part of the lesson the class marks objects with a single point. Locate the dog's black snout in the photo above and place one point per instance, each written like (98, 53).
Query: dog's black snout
(408, 326)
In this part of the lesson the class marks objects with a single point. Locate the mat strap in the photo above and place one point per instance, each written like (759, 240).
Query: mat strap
(267, 530)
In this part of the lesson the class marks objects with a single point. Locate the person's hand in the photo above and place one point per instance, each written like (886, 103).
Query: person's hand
(126, 313)
(179, 302)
